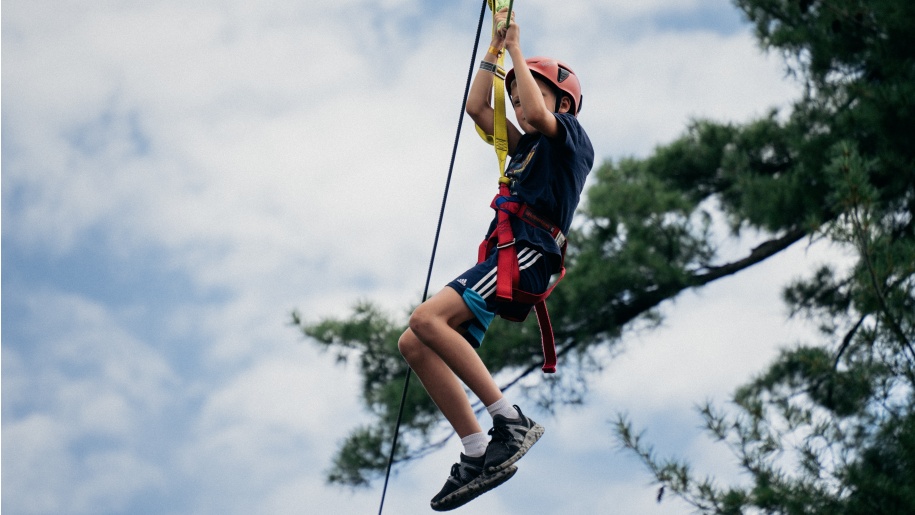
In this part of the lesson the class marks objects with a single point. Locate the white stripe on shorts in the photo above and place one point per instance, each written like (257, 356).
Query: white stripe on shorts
(487, 285)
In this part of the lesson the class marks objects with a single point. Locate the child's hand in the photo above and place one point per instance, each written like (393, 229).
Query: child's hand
(501, 31)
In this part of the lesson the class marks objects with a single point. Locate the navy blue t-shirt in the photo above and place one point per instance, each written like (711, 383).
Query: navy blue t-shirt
(549, 174)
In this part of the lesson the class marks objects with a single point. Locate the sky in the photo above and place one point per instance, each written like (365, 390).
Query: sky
(178, 177)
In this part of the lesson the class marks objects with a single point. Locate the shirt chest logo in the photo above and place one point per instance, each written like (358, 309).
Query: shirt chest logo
(519, 168)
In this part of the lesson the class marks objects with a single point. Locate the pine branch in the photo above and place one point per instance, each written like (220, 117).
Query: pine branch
(652, 299)
(847, 341)
(759, 253)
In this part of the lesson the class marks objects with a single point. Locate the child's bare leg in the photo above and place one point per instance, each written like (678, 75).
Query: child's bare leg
(432, 335)
(440, 383)
(440, 355)
(435, 323)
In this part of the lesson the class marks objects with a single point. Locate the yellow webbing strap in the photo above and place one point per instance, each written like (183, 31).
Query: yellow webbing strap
(499, 138)
(500, 131)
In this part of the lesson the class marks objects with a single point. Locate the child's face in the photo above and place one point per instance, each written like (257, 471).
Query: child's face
(549, 98)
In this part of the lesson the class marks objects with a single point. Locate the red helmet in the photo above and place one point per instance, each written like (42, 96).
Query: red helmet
(556, 73)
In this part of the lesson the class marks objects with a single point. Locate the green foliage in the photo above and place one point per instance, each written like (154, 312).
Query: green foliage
(363, 450)
(828, 428)
(369, 337)
(883, 480)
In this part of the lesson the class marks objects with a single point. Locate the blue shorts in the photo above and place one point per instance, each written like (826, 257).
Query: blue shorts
(477, 287)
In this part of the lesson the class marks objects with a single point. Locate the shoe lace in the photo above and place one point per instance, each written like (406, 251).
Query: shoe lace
(501, 434)
(456, 471)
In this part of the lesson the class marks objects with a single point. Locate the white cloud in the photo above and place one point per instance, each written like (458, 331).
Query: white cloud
(84, 387)
(654, 88)
(37, 468)
(264, 433)
(712, 340)
(606, 13)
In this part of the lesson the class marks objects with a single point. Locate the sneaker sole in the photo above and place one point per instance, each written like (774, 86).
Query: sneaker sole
(533, 434)
(473, 489)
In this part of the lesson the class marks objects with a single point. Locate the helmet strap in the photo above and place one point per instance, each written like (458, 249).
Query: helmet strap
(559, 96)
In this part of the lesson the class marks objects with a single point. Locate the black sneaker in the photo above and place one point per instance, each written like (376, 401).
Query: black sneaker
(511, 439)
(467, 482)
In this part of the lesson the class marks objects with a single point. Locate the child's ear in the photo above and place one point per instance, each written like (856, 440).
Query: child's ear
(565, 105)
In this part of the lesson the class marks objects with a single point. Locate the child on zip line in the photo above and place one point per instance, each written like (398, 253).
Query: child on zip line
(551, 157)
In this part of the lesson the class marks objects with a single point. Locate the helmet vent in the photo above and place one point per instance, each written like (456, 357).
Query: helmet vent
(563, 74)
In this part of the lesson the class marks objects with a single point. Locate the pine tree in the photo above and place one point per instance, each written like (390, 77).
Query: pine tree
(829, 427)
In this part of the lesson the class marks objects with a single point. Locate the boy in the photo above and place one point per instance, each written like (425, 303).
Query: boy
(550, 162)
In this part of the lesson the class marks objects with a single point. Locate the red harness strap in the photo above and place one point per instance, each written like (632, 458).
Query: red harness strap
(508, 274)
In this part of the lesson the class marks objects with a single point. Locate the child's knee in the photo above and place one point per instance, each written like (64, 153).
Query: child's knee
(409, 346)
(421, 321)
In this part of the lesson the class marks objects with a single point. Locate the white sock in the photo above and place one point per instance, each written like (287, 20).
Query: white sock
(475, 444)
(504, 408)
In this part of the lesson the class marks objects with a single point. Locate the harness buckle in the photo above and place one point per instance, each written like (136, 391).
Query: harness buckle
(506, 245)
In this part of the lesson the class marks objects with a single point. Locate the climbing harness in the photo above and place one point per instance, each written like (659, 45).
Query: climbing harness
(508, 274)
(507, 206)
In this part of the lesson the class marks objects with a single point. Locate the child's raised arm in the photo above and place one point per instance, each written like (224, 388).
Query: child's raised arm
(479, 99)
(536, 112)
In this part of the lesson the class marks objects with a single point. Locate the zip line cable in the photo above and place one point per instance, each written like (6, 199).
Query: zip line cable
(438, 230)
